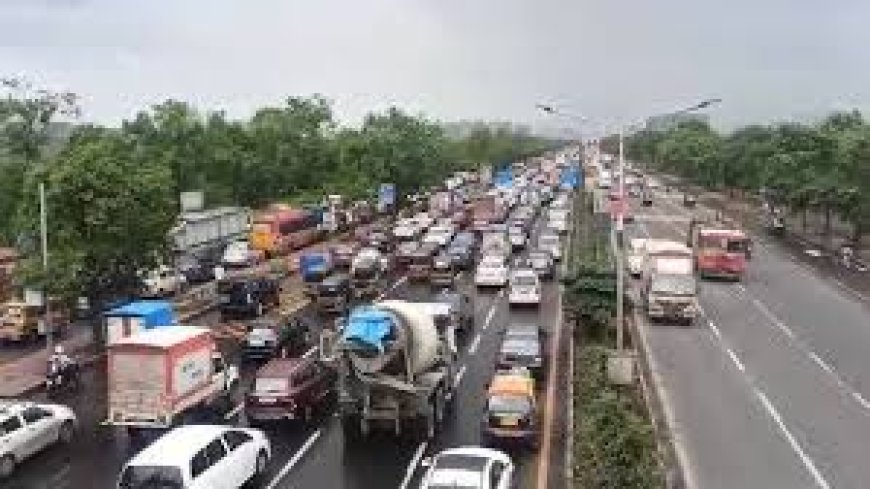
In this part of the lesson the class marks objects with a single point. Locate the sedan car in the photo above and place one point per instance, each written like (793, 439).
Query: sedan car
(522, 346)
(551, 243)
(468, 467)
(462, 255)
(525, 288)
(491, 272)
(517, 238)
(270, 337)
(27, 428)
(542, 263)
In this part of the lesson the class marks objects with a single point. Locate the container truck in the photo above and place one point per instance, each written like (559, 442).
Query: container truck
(672, 290)
(129, 319)
(205, 233)
(157, 377)
(395, 369)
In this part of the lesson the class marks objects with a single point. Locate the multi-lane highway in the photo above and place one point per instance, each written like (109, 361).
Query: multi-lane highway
(316, 455)
(770, 389)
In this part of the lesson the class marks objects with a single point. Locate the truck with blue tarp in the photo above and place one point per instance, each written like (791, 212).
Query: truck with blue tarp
(314, 266)
(133, 317)
(395, 368)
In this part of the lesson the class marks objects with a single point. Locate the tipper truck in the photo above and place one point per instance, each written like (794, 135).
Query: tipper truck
(395, 369)
(157, 376)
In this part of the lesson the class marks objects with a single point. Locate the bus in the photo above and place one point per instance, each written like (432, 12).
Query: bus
(281, 229)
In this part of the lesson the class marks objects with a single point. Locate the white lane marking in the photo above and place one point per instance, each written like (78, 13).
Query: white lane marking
(807, 461)
(409, 472)
(736, 360)
(399, 282)
(805, 349)
(489, 317)
(712, 326)
(474, 344)
(311, 351)
(457, 379)
(295, 459)
(234, 411)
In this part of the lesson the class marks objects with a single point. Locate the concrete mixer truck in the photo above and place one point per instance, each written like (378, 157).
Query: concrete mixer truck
(395, 369)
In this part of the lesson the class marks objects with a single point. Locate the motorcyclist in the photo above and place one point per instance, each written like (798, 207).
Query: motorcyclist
(60, 359)
(847, 254)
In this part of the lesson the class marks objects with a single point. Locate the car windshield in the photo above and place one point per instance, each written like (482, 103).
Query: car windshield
(521, 346)
(673, 284)
(549, 240)
(151, 477)
(524, 280)
(509, 404)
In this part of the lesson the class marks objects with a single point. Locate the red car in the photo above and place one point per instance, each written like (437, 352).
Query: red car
(290, 389)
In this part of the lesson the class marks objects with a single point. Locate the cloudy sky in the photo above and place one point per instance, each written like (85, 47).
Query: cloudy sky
(611, 60)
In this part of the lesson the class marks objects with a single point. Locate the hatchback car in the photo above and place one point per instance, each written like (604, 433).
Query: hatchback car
(524, 288)
(27, 428)
(491, 272)
(468, 467)
(511, 414)
(290, 389)
(542, 263)
(199, 457)
(522, 346)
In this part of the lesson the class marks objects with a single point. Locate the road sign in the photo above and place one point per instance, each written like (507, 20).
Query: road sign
(386, 196)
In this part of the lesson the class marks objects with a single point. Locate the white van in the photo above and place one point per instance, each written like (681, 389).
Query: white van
(199, 457)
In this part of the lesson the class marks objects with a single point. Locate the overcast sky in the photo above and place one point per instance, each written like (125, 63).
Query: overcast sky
(612, 60)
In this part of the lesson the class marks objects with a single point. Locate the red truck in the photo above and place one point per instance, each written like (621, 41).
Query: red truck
(157, 376)
(486, 210)
(719, 252)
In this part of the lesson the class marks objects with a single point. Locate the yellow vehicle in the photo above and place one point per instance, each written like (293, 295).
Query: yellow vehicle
(511, 414)
(19, 321)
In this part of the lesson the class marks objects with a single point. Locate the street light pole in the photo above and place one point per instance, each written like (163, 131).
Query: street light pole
(43, 228)
(620, 229)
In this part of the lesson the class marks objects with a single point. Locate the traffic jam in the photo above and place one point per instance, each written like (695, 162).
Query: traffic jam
(356, 346)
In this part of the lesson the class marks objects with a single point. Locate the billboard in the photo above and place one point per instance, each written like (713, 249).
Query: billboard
(386, 196)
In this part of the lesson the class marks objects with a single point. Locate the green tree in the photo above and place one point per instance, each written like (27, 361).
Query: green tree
(109, 210)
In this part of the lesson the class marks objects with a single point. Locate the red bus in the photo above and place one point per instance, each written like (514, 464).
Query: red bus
(721, 252)
(281, 229)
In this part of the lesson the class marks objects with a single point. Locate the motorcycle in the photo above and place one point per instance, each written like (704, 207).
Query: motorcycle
(61, 377)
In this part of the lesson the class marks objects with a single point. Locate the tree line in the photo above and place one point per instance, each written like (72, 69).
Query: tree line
(822, 167)
(112, 192)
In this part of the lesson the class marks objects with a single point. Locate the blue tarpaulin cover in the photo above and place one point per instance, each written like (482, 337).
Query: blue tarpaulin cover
(368, 326)
(313, 263)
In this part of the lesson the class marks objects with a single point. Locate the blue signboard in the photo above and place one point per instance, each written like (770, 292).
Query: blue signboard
(386, 196)
(571, 177)
(504, 178)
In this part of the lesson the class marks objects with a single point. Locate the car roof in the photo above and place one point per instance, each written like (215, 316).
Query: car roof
(474, 451)
(522, 328)
(281, 367)
(178, 446)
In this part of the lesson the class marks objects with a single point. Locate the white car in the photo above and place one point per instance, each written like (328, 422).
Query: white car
(468, 467)
(558, 225)
(551, 243)
(406, 230)
(492, 271)
(163, 281)
(525, 288)
(424, 220)
(517, 238)
(239, 254)
(439, 235)
(634, 256)
(27, 428)
(199, 457)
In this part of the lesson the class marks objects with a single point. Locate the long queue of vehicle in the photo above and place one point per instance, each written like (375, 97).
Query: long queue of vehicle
(380, 365)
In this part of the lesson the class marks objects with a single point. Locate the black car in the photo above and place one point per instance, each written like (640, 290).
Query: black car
(195, 270)
(334, 294)
(267, 338)
(522, 346)
(462, 256)
(247, 296)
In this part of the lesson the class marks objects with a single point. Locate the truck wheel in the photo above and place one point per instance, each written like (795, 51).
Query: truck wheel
(350, 426)
(65, 433)
(260, 466)
(259, 309)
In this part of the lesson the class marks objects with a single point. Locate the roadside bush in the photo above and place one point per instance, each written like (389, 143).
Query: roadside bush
(614, 445)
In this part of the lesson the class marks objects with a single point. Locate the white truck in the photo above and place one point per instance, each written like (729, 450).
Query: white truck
(395, 369)
(157, 376)
(207, 232)
(672, 291)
